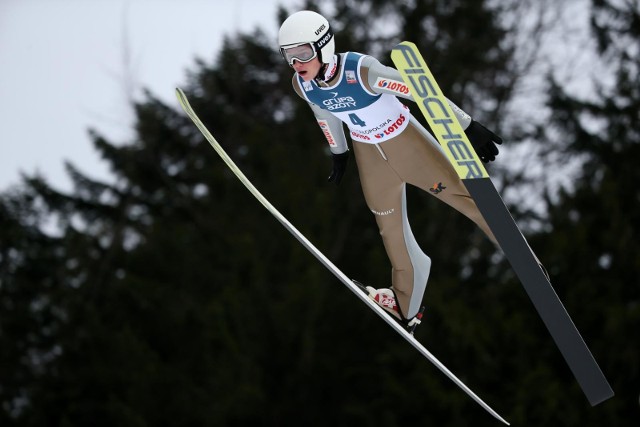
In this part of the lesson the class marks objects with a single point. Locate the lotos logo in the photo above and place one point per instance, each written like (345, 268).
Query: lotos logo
(393, 86)
(394, 127)
(319, 30)
(324, 125)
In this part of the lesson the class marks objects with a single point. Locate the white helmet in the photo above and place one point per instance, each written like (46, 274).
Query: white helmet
(306, 28)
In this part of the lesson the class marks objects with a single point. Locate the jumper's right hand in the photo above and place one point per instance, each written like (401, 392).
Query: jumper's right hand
(339, 166)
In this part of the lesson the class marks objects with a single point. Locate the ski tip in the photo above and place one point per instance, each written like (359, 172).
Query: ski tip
(405, 43)
(182, 99)
(497, 416)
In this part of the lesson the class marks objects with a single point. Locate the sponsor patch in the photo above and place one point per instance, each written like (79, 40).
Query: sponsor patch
(394, 127)
(392, 86)
(351, 77)
(339, 103)
(437, 188)
(324, 125)
(360, 136)
(383, 213)
(307, 86)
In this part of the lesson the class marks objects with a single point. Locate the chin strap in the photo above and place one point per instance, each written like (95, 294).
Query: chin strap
(328, 71)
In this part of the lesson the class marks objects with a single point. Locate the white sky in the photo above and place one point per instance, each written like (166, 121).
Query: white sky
(62, 68)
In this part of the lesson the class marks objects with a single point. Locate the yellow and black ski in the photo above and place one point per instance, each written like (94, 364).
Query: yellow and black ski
(451, 136)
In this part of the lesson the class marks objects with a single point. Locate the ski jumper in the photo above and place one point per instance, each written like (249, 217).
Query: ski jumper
(391, 149)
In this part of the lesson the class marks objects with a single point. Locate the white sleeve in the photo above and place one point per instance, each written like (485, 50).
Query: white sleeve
(383, 79)
(331, 126)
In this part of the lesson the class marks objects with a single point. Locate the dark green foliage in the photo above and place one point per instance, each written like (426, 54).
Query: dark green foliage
(594, 243)
(171, 297)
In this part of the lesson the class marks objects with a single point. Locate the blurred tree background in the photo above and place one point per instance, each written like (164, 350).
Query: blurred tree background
(171, 297)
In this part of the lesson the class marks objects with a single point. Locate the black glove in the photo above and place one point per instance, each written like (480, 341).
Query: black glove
(484, 141)
(339, 166)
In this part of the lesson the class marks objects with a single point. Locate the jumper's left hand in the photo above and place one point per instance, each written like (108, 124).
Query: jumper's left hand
(484, 141)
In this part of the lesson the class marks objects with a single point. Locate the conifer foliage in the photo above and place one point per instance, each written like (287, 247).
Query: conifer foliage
(168, 296)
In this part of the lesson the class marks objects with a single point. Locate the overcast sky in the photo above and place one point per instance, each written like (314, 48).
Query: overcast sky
(62, 68)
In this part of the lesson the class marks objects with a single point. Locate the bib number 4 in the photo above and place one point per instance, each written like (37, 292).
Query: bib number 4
(356, 120)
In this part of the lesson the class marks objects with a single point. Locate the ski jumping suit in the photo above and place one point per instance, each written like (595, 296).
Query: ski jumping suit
(392, 149)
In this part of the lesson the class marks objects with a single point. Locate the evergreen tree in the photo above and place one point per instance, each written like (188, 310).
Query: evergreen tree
(592, 246)
(170, 297)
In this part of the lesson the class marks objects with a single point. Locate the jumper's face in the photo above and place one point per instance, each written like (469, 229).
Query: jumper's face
(307, 70)
(304, 59)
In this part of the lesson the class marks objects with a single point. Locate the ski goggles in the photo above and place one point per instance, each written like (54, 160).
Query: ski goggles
(302, 53)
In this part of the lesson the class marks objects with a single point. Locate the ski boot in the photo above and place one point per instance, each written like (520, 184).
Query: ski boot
(386, 299)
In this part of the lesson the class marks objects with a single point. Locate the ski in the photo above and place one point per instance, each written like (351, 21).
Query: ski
(184, 103)
(443, 122)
